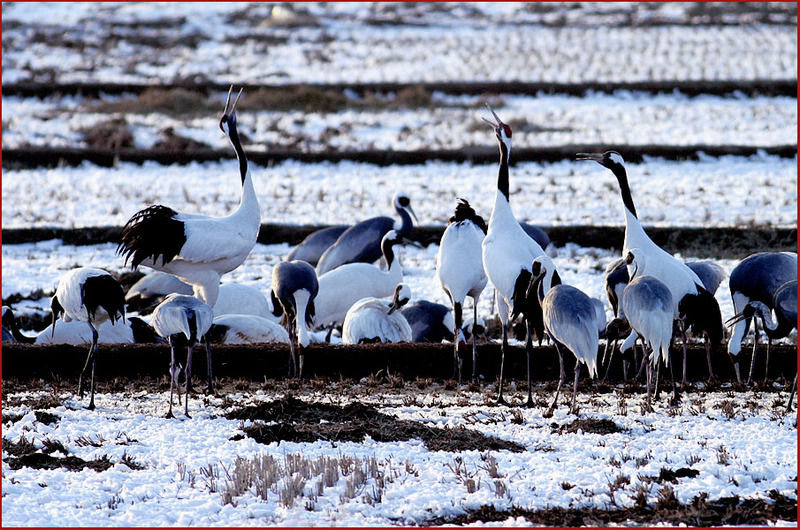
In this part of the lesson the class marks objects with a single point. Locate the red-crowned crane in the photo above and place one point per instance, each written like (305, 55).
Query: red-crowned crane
(198, 249)
(508, 252)
(92, 296)
(373, 320)
(184, 321)
(694, 305)
(459, 269)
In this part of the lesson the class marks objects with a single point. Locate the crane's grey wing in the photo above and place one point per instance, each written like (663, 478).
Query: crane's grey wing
(359, 243)
(711, 274)
(313, 246)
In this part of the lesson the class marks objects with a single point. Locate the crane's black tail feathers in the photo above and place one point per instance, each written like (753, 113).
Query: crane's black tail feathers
(106, 292)
(151, 233)
(465, 212)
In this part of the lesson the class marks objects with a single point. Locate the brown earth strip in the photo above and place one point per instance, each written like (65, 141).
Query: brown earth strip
(33, 157)
(728, 511)
(404, 360)
(762, 87)
(715, 242)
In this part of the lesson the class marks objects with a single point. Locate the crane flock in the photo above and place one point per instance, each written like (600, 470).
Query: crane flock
(331, 279)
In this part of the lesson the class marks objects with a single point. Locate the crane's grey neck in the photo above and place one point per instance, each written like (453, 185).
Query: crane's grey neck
(406, 222)
(624, 188)
(502, 173)
(774, 330)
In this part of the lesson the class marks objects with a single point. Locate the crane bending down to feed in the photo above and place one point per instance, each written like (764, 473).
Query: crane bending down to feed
(92, 296)
(459, 269)
(198, 249)
(694, 306)
(784, 303)
(184, 321)
(361, 243)
(756, 278)
(569, 319)
(507, 256)
(376, 320)
(294, 288)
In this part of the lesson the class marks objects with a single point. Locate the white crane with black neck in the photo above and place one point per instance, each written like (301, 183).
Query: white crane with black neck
(693, 305)
(198, 249)
(508, 252)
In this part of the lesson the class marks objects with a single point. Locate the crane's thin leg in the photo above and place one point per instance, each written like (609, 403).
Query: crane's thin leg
(755, 347)
(474, 340)
(173, 380)
(675, 397)
(529, 352)
(500, 399)
(210, 388)
(549, 412)
(766, 366)
(457, 363)
(682, 329)
(188, 378)
(94, 366)
(89, 357)
(573, 409)
(611, 357)
(292, 352)
(791, 394)
(648, 403)
(657, 360)
(301, 359)
(708, 357)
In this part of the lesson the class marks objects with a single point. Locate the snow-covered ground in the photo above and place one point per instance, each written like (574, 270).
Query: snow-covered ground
(721, 191)
(452, 122)
(740, 448)
(382, 42)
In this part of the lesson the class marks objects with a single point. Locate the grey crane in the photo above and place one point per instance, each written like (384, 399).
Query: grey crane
(294, 287)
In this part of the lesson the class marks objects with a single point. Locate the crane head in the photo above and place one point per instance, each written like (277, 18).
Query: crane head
(402, 294)
(501, 130)
(403, 202)
(229, 112)
(608, 159)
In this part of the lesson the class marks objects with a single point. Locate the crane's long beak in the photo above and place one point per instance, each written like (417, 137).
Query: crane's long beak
(406, 241)
(734, 319)
(597, 157)
(497, 123)
(228, 107)
(411, 211)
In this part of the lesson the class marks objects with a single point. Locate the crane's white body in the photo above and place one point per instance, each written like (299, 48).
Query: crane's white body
(507, 250)
(214, 245)
(459, 262)
(250, 329)
(658, 263)
(369, 319)
(345, 285)
(78, 333)
(158, 283)
(70, 295)
(239, 299)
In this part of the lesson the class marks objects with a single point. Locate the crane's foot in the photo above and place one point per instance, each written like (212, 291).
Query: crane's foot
(529, 403)
(575, 410)
(501, 401)
(169, 415)
(549, 412)
(91, 406)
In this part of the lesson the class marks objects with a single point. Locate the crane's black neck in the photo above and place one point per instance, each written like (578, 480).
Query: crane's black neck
(237, 146)
(388, 252)
(624, 188)
(502, 173)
